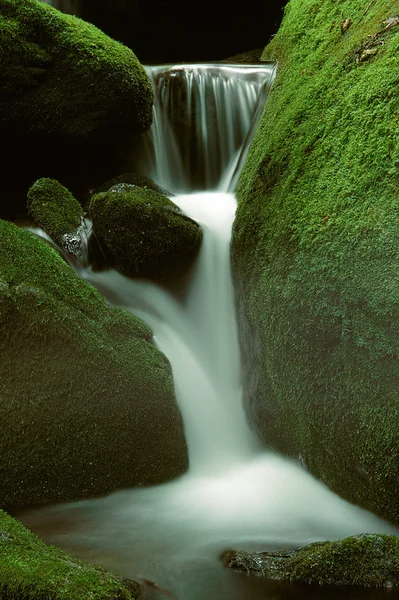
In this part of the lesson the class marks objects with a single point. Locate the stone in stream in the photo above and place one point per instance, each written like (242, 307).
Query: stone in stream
(144, 234)
(87, 402)
(31, 569)
(367, 560)
(315, 252)
(59, 214)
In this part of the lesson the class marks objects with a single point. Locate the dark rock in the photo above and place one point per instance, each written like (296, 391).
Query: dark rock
(144, 234)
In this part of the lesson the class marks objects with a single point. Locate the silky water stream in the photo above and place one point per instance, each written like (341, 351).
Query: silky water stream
(236, 495)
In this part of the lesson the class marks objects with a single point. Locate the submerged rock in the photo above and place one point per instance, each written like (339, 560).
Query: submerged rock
(30, 569)
(367, 560)
(144, 234)
(56, 211)
(87, 403)
(315, 252)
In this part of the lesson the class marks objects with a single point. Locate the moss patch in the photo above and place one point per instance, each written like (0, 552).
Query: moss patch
(87, 402)
(54, 208)
(367, 560)
(62, 75)
(145, 234)
(33, 571)
(316, 249)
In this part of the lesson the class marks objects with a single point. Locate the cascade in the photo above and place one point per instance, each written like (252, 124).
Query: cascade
(236, 494)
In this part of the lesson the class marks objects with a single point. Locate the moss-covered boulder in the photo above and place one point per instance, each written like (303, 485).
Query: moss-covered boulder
(316, 249)
(64, 76)
(87, 402)
(70, 96)
(31, 570)
(132, 179)
(367, 560)
(59, 214)
(144, 234)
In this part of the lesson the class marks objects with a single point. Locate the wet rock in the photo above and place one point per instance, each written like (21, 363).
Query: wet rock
(59, 214)
(367, 560)
(144, 234)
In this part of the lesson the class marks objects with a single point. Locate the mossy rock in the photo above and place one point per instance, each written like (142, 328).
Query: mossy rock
(64, 76)
(144, 234)
(366, 560)
(132, 179)
(58, 213)
(87, 402)
(315, 250)
(31, 570)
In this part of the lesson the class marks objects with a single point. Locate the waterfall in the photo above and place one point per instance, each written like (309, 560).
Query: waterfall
(235, 494)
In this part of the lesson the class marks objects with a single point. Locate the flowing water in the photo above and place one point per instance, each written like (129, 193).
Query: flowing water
(236, 495)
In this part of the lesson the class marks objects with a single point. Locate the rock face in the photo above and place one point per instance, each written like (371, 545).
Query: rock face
(30, 569)
(70, 95)
(87, 402)
(58, 213)
(144, 234)
(316, 251)
(367, 560)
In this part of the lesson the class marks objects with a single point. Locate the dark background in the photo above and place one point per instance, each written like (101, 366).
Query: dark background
(164, 31)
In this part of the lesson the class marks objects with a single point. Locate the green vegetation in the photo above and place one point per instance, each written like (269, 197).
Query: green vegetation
(145, 233)
(30, 570)
(367, 560)
(54, 208)
(62, 75)
(316, 249)
(87, 402)
(133, 179)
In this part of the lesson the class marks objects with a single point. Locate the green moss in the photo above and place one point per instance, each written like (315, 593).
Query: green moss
(33, 571)
(316, 245)
(145, 233)
(54, 208)
(87, 402)
(367, 560)
(62, 75)
(133, 179)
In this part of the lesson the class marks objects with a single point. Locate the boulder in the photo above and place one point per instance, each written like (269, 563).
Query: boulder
(315, 252)
(366, 560)
(30, 569)
(144, 234)
(59, 214)
(70, 96)
(87, 403)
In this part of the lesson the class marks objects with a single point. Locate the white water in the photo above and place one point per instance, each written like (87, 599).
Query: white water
(235, 495)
